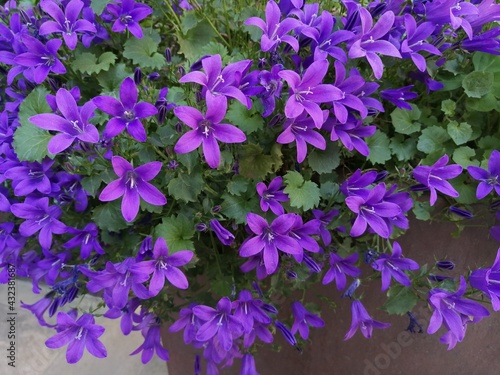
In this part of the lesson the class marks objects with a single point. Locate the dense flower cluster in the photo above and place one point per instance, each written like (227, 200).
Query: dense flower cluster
(253, 197)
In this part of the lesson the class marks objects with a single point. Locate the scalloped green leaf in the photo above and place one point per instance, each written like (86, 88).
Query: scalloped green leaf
(303, 194)
(144, 52)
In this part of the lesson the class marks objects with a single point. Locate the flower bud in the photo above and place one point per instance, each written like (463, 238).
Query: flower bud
(154, 76)
(201, 227)
(224, 236)
(462, 213)
(168, 55)
(137, 76)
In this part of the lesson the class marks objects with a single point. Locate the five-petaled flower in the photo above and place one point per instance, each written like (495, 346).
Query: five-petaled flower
(490, 178)
(487, 280)
(133, 185)
(128, 14)
(303, 319)
(361, 319)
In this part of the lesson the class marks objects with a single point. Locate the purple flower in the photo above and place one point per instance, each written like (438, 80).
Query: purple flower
(66, 23)
(287, 334)
(435, 176)
(307, 93)
(220, 82)
(357, 183)
(368, 45)
(133, 185)
(218, 322)
(274, 30)
(29, 177)
(460, 212)
(248, 310)
(127, 314)
(224, 236)
(127, 111)
(151, 333)
(490, 178)
(445, 265)
(488, 281)
(350, 133)
(303, 319)
(41, 59)
(398, 97)
(187, 321)
(80, 334)
(449, 308)
(302, 130)
(86, 239)
(361, 319)
(302, 234)
(325, 219)
(372, 210)
(339, 267)
(165, 266)
(39, 217)
(128, 14)
(393, 266)
(269, 239)
(273, 85)
(271, 195)
(206, 130)
(72, 125)
(248, 365)
(40, 307)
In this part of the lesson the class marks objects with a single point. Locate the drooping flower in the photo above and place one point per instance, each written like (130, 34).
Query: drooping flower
(398, 97)
(206, 130)
(435, 176)
(303, 319)
(490, 178)
(271, 195)
(393, 266)
(128, 14)
(86, 239)
(133, 185)
(339, 268)
(325, 218)
(269, 239)
(66, 23)
(224, 236)
(79, 334)
(487, 280)
(150, 330)
(72, 125)
(361, 320)
(165, 266)
(287, 334)
(126, 111)
(248, 365)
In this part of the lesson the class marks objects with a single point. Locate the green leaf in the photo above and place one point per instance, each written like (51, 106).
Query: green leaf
(463, 155)
(108, 216)
(487, 103)
(432, 139)
(177, 231)
(465, 188)
(331, 190)
(255, 32)
(237, 207)
(144, 52)
(237, 185)
(460, 133)
(478, 84)
(188, 21)
(189, 160)
(400, 300)
(404, 121)
(92, 183)
(324, 161)
(30, 142)
(303, 194)
(403, 149)
(99, 5)
(176, 95)
(486, 62)
(379, 148)
(448, 107)
(111, 80)
(254, 164)
(247, 120)
(186, 187)
(192, 41)
(214, 48)
(87, 62)
(422, 210)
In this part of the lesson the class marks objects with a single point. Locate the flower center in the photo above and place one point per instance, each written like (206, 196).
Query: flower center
(131, 180)
(49, 60)
(125, 19)
(129, 115)
(206, 127)
(79, 334)
(35, 174)
(299, 94)
(268, 235)
(69, 26)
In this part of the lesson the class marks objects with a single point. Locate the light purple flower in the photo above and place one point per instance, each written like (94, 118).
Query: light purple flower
(248, 365)
(66, 23)
(350, 133)
(248, 311)
(393, 266)
(361, 319)
(79, 334)
(435, 176)
(126, 111)
(490, 178)
(128, 14)
(86, 239)
(165, 266)
(339, 267)
(271, 195)
(303, 319)
(206, 130)
(133, 185)
(151, 326)
(187, 321)
(487, 280)
(72, 125)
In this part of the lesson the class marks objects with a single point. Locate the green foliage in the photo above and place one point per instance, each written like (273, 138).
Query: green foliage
(238, 185)
(178, 232)
(422, 210)
(403, 149)
(237, 207)
(404, 121)
(379, 148)
(247, 120)
(303, 194)
(460, 133)
(325, 161)
(195, 35)
(255, 164)
(30, 142)
(108, 216)
(478, 84)
(144, 52)
(111, 79)
(432, 139)
(186, 187)
(87, 62)
(448, 107)
(400, 300)
(99, 5)
(463, 156)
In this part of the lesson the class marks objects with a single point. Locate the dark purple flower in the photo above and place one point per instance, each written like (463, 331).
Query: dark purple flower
(150, 330)
(393, 266)
(339, 267)
(361, 319)
(435, 176)
(308, 92)
(273, 85)
(41, 59)
(79, 334)
(248, 365)
(29, 177)
(146, 249)
(248, 310)
(271, 195)
(40, 307)
(39, 217)
(127, 315)
(449, 308)
(128, 14)
(413, 323)
(462, 213)
(269, 239)
(325, 219)
(101, 33)
(126, 111)
(218, 322)
(187, 321)
(133, 185)
(490, 178)
(86, 239)
(224, 236)
(72, 125)
(488, 281)
(66, 23)
(303, 319)
(358, 182)
(206, 130)
(398, 97)
(287, 334)
(274, 29)
(445, 265)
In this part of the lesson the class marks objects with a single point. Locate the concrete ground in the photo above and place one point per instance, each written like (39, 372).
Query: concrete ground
(34, 358)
